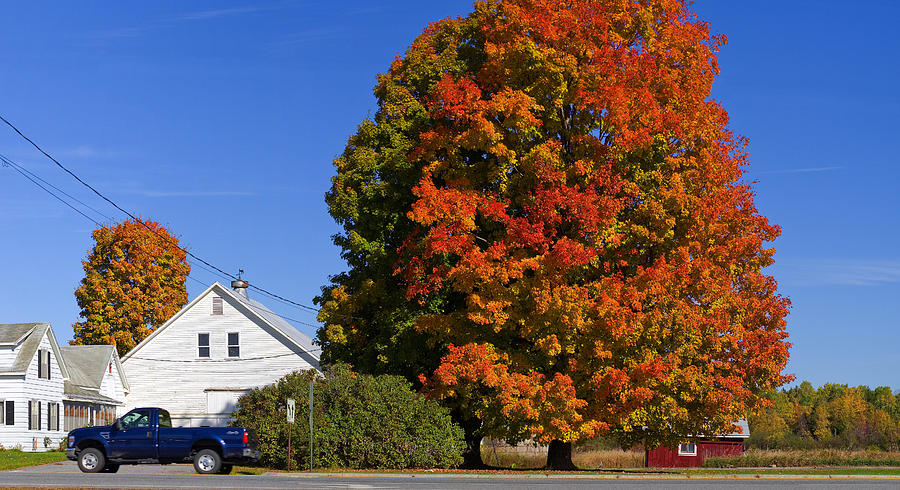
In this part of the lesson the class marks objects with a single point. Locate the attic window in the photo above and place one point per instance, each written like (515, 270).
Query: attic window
(687, 449)
(234, 345)
(217, 306)
(43, 364)
(202, 345)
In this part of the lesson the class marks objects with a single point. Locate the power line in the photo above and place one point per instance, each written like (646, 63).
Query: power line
(261, 310)
(17, 166)
(224, 360)
(48, 191)
(138, 220)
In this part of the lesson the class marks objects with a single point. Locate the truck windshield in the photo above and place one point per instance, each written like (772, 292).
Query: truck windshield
(164, 419)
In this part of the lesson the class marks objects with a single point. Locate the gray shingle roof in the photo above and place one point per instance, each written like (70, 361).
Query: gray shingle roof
(87, 363)
(26, 350)
(77, 392)
(11, 332)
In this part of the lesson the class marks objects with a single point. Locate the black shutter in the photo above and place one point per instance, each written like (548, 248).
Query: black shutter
(57, 416)
(39, 415)
(29, 414)
(48, 364)
(40, 364)
(10, 412)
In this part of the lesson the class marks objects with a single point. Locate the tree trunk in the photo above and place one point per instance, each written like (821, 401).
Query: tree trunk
(472, 454)
(559, 456)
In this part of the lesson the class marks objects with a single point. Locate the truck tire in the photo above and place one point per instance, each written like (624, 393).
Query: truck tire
(91, 460)
(207, 462)
(110, 468)
(226, 469)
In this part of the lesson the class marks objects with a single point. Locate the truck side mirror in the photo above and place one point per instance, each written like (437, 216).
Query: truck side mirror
(117, 425)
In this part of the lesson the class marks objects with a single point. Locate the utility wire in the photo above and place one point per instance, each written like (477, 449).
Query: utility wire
(261, 310)
(48, 191)
(138, 220)
(38, 177)
(223, 360)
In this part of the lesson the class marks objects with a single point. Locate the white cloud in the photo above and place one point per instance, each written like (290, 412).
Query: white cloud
(799, 170)
(839, 272)
(187, 193)
(212, 14)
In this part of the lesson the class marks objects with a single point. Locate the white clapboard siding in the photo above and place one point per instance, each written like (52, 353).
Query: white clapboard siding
(166, 371)
(7, 355)
(21, 391)
(111, 385)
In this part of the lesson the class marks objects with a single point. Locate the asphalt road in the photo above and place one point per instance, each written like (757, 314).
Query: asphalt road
(66, 475)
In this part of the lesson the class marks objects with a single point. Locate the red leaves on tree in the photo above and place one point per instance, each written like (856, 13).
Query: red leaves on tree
(581, 191)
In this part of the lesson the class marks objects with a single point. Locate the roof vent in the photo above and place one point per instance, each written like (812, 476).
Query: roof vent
(240, 286)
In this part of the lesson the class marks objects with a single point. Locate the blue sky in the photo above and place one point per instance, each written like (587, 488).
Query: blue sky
(221, 119)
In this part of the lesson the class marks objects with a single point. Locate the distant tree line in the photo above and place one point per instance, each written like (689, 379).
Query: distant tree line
(833, 416)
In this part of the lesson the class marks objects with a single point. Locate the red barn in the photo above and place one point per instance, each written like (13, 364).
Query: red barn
(694, 453)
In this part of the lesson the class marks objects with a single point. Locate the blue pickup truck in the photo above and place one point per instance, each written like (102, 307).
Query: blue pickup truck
(146, 435)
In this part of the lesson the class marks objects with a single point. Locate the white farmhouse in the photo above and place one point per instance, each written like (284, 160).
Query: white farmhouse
(47, 390)
(31, 387)
(217, 348)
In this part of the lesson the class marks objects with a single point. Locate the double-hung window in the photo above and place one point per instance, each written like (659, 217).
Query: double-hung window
(687, 449)
(203, 345)
(43, 364)
(34, 415)
(53, 416)
(234, 344)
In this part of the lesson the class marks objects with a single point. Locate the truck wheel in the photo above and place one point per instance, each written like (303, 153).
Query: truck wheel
(207, 462)
(110, 468)
(226, 469)
(91, 460)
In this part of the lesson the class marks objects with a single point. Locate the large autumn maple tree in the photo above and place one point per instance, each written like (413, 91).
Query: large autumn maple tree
(134, 281)
(547, 219)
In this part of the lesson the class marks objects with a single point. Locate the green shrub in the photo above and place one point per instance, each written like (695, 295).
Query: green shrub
(360, 421)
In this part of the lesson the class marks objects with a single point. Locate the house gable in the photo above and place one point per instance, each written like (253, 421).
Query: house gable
(217, 347)
(253, 310)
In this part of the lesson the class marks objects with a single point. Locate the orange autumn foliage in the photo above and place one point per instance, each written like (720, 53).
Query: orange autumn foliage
(582, 192)
(555, 188)
(134, 282)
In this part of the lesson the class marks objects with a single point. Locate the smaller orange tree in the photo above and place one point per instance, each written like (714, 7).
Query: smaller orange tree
(134, 280)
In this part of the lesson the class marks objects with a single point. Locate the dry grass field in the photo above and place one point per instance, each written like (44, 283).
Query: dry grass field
(585, 459)
(806, 458)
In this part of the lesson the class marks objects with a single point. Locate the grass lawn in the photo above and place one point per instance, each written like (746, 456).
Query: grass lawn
(12, 459)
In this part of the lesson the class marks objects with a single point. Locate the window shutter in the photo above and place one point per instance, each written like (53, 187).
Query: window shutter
(29, 415)
(217, 306)
(38, 415)
(40, 364)
(10, 412)
(48, 364)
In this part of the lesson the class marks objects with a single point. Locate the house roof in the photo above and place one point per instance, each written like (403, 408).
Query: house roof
(75, 392)
(743, 432)
(253, 309)
(13, 333)
(32, 333)
(87, 363)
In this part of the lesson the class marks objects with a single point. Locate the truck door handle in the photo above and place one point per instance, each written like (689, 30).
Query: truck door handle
(149, 433)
